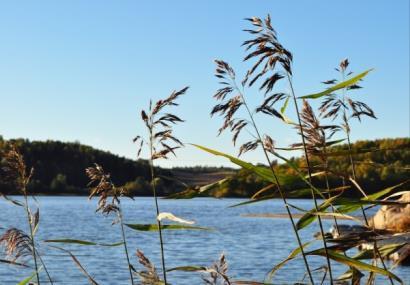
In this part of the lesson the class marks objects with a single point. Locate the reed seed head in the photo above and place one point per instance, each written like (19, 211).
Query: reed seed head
(16, 243)
(160, 125)
(148, 276)
(14, 169)
(104, 188)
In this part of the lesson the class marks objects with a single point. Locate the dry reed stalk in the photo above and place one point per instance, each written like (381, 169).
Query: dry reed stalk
(161, 143)
(105, 188)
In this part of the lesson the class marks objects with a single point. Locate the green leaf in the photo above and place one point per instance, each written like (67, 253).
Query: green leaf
(282, 112)
(285, 105)
(300, 174)
(82, 242)
(13, 262)
(384, 250)
(291, 256)
(79, 265)
(188, 268)
(15, 202)
(353, 263)
(256, 200)
(28, 279)
(261, 171)
(338, 86)
(386, 191)
(349, 205)
(154, 227)
(185, 194)
(310, 216)
(353, 275)
(337, 215)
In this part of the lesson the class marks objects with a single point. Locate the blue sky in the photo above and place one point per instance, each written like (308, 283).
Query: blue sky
(82, 70)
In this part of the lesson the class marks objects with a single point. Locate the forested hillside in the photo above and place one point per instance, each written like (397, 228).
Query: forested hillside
(379, 164)
(59, 169)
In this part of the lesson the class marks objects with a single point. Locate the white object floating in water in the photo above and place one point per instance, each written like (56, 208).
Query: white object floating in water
(172, 217)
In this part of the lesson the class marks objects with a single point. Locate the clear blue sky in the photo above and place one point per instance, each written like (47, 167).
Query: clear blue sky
(82, 70)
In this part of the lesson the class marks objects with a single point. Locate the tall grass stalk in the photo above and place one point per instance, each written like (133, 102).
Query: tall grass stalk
(29, 221)
(124, 240)
(16, 170)
(104, 187)
(353, 166)
(309, 170)
(271, 167)
(160, 138)
(154, 191)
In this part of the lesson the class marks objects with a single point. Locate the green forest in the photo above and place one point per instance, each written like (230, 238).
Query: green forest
(59, 169)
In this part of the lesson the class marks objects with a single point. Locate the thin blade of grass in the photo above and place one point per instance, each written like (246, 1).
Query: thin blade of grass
(83, 242)
(28, 279)
(338, 86)
(291, 256)
(77, 262)
(354, 263)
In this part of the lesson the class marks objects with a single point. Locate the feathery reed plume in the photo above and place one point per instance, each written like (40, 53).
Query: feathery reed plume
(316, 142)
(15, 170)
(161, 143)
(16, 243)
(274, 62)
(148, 276)
(105, 188)
(314, 132)
(334, 106)
(217, 273)
(228, 109)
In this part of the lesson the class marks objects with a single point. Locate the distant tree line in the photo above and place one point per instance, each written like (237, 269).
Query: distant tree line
(379, 164)
(59, 168)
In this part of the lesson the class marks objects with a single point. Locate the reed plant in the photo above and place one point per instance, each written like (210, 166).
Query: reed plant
(17, 243)
(161, 142)
(335, 106)
(106, 189)
(274, 63)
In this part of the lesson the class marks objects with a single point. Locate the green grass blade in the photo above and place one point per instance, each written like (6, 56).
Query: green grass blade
(354, 263)
(28, 279)
(384, 250)
(263, 172)
(291, 256)
(310, 216)
(256, 200)
(82, 242)
(338, 86)
(349, 205)
(13, 263)
(188, 268)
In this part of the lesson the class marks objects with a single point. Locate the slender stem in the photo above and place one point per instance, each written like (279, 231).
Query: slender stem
(310, 177)
(349, 144)
(45, 268)
(31, 234)
(382, 261)
(326, 167)
(125, 245)
(279, 186)
(156, 204)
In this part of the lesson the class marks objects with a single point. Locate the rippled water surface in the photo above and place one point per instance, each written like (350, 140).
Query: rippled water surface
(252, 245)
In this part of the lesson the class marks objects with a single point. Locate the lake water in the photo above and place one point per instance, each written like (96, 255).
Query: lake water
(252, 245)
